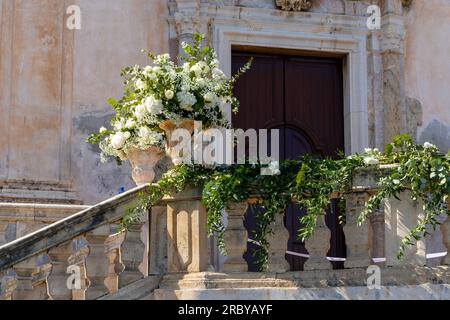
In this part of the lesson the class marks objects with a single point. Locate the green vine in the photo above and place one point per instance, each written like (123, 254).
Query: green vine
(311, 182)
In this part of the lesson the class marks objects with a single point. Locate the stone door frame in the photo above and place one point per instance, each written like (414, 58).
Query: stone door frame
(351, 46)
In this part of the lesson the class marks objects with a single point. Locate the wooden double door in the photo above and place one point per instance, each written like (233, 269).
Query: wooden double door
(303, 97)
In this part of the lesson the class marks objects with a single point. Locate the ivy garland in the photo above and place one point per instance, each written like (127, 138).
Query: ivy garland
(310, 182)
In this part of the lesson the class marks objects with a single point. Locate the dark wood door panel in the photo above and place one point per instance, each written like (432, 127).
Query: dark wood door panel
(260, 92)
(302, 96)
(313, 101)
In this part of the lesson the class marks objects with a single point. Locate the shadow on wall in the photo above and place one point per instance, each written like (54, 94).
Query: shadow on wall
(437, 133)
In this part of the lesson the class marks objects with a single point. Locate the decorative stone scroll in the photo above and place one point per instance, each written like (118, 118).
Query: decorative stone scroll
(294, 5)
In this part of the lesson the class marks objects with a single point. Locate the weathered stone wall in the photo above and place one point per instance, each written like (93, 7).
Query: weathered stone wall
(428, 68)
(54, 84)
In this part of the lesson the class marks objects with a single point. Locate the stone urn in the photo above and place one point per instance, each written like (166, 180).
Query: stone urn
(143, 163)
(169, 126)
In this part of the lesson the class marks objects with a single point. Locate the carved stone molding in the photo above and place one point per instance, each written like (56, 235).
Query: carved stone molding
(294, 5)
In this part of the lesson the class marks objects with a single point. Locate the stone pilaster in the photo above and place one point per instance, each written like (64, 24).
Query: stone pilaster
(158, 240)
(392, 36)
(187, 241)
(278, 241)
(236, 238)
(401, 217)
(187, 21)
(318, 246)
(57, 280)
(356, 237)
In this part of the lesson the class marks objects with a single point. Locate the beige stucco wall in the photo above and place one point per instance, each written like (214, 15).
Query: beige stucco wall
(428, 67)
(54, 84)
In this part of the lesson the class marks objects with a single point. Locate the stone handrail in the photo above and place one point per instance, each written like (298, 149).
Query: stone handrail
(71, 227)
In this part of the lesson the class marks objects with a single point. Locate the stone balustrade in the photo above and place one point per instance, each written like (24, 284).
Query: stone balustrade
(87, 256)
(83, 257)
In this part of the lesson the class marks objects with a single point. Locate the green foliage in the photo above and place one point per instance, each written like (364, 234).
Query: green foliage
(310, 182)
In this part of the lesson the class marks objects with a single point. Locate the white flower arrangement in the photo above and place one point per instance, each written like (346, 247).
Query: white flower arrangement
(195, 90)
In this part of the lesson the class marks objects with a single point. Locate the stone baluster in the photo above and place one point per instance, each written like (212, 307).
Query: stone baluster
(158, 240)
(8, 283)
(357, 238)
(134, 251)
(235, 238)
(79, 281)
(32, 279)
(318, 246)
(378, 237)
(97, 262)
(187, 241)
(57, 280)
(114, 253)
(278, 241)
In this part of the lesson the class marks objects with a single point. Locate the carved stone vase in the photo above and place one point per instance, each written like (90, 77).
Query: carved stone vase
(169, 126)
(143, 163)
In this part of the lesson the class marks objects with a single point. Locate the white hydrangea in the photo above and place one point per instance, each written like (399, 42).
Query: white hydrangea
(148, 137)
(371, 161)
(186, 99)
(428, 145)
(153, 106)
(140, 112)
(210, 97)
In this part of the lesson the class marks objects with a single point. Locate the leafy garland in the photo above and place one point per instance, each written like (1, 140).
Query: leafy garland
(310, 182)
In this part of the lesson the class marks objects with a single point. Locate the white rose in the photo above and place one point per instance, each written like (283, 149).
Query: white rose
(130, 124)
(140, 112)
(177, 161)
(118, 140)
(197, 70)
(103, 130)
(428, 145)
(119, 125)
(141, 85)
(217, 73)
(169, 94)
(201, 82)
(210, 97)
(153, 106)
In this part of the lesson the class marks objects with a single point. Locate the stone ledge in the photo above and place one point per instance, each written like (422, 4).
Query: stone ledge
(395, 276)
(420, 292)
(46, 213)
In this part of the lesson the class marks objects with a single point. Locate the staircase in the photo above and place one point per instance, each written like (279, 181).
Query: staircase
(167, 255)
